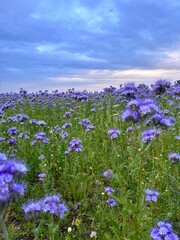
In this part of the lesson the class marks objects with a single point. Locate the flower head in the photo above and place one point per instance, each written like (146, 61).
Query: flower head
(151, 195)
(163, 231)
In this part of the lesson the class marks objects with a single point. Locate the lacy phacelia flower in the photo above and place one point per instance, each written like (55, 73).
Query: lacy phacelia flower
(111, 202)
(108, 173)
(151, 195)
(12, 131)
(114, 133)
(174, 157)
(75, 145)
(149, 135)
(109, 190)
(32, 209)
(8, 170)
(163, 232)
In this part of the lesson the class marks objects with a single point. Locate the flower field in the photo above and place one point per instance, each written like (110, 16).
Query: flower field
(91, 165)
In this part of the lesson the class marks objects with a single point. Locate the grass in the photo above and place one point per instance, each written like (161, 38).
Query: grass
(78, 176)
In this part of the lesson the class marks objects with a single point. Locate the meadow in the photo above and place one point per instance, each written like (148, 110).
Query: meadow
(91, 165)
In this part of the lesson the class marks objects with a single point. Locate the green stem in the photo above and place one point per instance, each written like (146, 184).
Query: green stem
(3, 225)
(35, 231)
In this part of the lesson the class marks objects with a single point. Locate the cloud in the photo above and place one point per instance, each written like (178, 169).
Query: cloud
(46, 39)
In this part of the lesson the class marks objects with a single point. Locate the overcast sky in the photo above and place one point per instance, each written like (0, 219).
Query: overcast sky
(87, 44)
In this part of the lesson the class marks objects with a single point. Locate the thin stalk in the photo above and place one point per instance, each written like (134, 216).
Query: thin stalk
(3, 225)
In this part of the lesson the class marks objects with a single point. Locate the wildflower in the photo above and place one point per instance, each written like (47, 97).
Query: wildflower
(32, 208)
(129, 129)
(8, 170)
(40, 135)
(85, 122)
(163, 231)
(54, 205)
(114, 133)
(61, 210)
(41, 122)
(109, 190)
(149, 135)
(41, 157)
(174, 157)
(3, 157)
(108, 173)
(111, 202)
(75, 145)
(33, 121)
(93, 234)
(151, 195)
(160, 86)
(45, 140)
(12, 141)
(2, 139)
(89, 128)
(66, 125)
(65, 135)
(33, 142)
(41, 176)
(23, 135)
(130, 115)
(12, 131)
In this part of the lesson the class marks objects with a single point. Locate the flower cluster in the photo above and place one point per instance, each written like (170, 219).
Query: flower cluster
(86, 124)
(151, 195)
(75, 145)
(9, 171)
(174, 157)
(149, 135)
(40, 136)
(50, 204)
(163, 232)
(114, 133)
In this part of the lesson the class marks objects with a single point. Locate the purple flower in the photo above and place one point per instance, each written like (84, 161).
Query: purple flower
(109, 190)
(3, 157)
(45, 140)
(130, 115)
(8, 170)
(75, 145)
(149, 135)
(54, 205)
(41, 176)
(40, 135)
(33, 142)
(85, 122)
(163, 231)
(32, 208)
(2, 139)
(65, 135)
(111, 202)
(21, 117)
(33, 121)
(23, 135)
(151, 195)
(12, 141)
(174, 157)
(129, 129)
(108, 173)
(114, 133)
(61, 210)
(161, 86)
(41, 122)
(66, 125)
(89, 128)
(12, 131)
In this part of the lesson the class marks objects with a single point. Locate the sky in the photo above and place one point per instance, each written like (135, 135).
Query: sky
(87, 44)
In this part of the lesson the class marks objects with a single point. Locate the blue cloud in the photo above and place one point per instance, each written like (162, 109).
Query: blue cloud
(42, 38)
